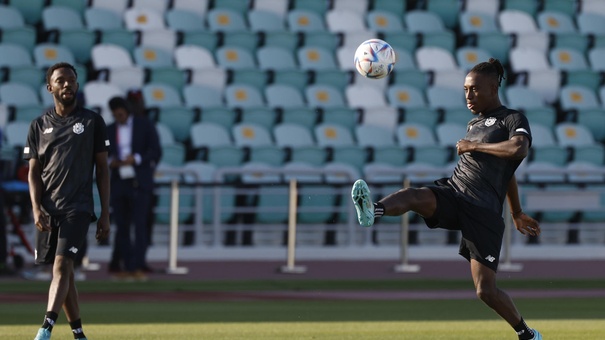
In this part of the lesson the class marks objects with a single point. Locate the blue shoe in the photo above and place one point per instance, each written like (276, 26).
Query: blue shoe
(363, 203)
(537, 335)
(43, 334)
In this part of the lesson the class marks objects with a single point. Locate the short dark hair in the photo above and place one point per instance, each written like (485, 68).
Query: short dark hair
(118, 103)
(57, 66)
(492, 67)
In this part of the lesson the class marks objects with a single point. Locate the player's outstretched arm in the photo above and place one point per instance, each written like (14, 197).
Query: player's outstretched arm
(524, 223)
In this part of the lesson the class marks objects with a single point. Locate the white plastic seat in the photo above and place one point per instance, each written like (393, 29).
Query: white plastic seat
(578, 97)
(448, 134)
(572, 134)
(345, 21)
(528, 59)
(143, 19)
(193, 57)
(521, 97)
(110, 56)
(515, 21)
(568, 59)
(430, 58)
(366, 97)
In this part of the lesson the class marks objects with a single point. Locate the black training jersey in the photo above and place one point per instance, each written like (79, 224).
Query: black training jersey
(481, 178)
(66, 147)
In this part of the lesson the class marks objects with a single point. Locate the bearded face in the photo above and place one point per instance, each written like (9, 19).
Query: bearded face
(63, 86)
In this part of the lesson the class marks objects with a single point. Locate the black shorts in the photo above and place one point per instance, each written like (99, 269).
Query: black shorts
(66, 238)
(482, 229)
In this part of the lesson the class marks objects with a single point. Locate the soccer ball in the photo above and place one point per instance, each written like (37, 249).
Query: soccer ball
(374, 59)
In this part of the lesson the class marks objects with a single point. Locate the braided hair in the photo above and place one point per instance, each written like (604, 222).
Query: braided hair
(492, 68)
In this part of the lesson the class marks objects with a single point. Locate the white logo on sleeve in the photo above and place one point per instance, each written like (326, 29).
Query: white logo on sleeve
(73, 250)
(47, 131)
(78, 128)
(490, 258)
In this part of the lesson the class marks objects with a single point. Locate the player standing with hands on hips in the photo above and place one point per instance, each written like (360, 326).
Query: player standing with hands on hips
(471, 200)
(63, 147)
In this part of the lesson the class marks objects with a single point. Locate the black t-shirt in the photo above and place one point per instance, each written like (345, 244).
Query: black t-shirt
(483, 179)
(66, 148)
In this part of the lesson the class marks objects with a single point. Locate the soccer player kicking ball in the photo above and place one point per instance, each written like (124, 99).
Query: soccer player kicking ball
(471, 200)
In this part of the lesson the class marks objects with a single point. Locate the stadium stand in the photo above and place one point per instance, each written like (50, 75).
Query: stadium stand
(221, 76)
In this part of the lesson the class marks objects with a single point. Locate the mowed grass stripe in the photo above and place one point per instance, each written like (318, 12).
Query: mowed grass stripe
(364, 330)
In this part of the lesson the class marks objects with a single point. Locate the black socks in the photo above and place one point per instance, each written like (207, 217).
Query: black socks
(378, 209)
(49, 320)
(524, 332)
(76, 328)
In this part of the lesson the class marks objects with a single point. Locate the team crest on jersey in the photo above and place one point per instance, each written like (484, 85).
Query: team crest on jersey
(490, 121)
(78, 128)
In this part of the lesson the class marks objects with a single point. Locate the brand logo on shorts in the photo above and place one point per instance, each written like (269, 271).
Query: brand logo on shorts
(73, 250)
(490, 121)
(47, 131)
(78, 128)
(490, 258)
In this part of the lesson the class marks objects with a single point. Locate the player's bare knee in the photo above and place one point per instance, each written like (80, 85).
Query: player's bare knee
(63, 265)
(487, 294)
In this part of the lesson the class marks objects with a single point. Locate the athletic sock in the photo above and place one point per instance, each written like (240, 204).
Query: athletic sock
(49, 320)
(524, 332)
(76, 328)
(378, 209)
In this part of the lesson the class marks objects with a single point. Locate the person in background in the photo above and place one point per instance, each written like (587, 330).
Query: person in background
(64, 146)
(134, 153)
(472, 199)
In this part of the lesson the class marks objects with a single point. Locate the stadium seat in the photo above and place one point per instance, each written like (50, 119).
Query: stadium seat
(231, 57)
(292, 135)
(590, 23)
(489, 7)
(277, 7)
(247, 40)
(411, 134)
(546, 82)
(284, 39)
(265, 21)
(528, 59)
(10, 17)
(178, 120)
(193, 57)
(263, 116)
(406, 96)
(12, 55)
(184, 21)
(268, 154)
(405, 60)
(143, 19)
(365, 97)
(15, 133)
(110, 56)
(555, 22)
(445, 98)
(583, 172)
(567, 59)
(152, 57)
(571, 134)
(546, 116)
(98, 93)
(205, 134)
(445, 40)
(165, 134)
(345, 21)
(47, 54)
(237, 95)
(160, 95)
(200, 7)
(563, 6)
(467, 57)
(17, 94)
(578, 97)
(61, 18)
(120, 37)
(448, 134)
(373, 136)
(333, 135)
(435, 58)
(201, 96)
(419, 21)
(424, 116)
(447, 10)
(521, 97)
(515, 21)
(590, 153)
(275, 58)
(158, 6)
(528, 7)
(382, 21)
(280, 95)
(497, 44)
(323, 96)
(102, 19)
(160, 38)
(347, 117)
(305, 116)
(315, 58)
(30, 10)
(596, 56)
(206, 39)
(126, 78)
(477, 22)
(29, 75)
(304, 21)
(225, 20)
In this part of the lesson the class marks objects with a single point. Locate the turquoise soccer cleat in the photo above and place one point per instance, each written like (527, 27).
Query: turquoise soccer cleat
(43, 334)
(363, 203)
(537, 335)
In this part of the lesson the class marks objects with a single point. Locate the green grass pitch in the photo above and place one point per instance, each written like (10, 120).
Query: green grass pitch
(563, 318)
